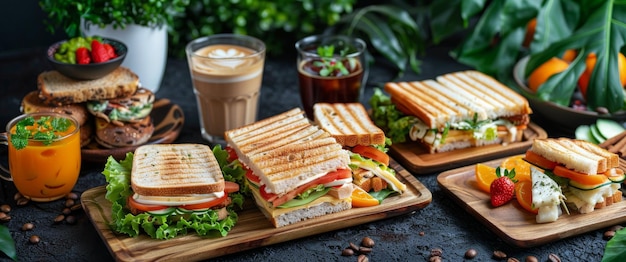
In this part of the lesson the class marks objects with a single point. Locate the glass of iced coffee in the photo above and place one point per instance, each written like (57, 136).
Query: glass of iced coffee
(226, 71)
(330, 69)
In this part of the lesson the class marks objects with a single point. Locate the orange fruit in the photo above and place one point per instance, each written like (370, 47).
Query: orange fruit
(583, 80)
(544, 71)
(530, 32)
(360, 198)
(569, 55)
(522, 168)
(524, 195)
(484, 176)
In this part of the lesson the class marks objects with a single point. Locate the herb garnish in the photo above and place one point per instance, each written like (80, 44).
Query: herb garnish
(329, 65)
(44, 129)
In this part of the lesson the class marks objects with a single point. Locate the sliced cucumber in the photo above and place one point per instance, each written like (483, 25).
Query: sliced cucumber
(617, 178)
(609, 128)
(595, 134)
(582, 133)
(189, 211)
(584, 187)
(161, 212)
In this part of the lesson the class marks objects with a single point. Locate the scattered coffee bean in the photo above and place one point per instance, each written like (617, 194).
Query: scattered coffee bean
(470, 253)
(436, 252)
(66, 211)
(434, 259)
(608, 235)
(59, 219)
(76, 207)
(28, 226)
(22, 201)
(347, 252)
(5, 208)
(69, 202)
(512, 259)
(532, 259)
(616, 227)
(17, 196)
(499, 255)
(70, 220)
(4, 217)
(34, 239)
(354, 247)
(365, 250)
(367, 242)
(72, 195)
(362, 258)
(553, 258)
(422, 233)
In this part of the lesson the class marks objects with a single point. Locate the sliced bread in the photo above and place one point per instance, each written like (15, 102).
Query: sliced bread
(348, 123)
(56, 89)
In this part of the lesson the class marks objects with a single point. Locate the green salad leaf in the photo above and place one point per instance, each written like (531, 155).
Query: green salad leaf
(7, 245)
(386, 116)
(615, 249)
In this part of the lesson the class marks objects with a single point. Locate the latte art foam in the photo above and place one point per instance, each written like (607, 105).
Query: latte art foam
(224, 57)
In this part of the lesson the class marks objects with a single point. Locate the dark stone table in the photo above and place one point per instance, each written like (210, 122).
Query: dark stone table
(443, 223)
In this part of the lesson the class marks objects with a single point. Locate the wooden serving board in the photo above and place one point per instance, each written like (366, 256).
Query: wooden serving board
(419, 161)
(515, 225)
(252, 230)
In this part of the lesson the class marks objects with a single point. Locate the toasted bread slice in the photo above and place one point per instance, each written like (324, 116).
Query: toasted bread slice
(175, 170)
(287, 151)
(348, 123)
(611, 158)
(575, 155)
(56, 89)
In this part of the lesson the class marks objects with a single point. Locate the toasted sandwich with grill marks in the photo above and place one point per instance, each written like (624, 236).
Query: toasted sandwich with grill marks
(299, 171)
(460, 110)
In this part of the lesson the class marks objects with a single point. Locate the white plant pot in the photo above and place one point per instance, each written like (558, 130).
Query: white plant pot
(147, 50)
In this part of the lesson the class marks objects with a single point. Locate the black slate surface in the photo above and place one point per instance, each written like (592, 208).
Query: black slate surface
(443, 223)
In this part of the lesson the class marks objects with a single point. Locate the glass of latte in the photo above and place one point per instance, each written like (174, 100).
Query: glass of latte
(226, 71)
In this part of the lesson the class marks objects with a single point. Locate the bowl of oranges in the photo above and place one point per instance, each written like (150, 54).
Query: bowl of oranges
(566, 118)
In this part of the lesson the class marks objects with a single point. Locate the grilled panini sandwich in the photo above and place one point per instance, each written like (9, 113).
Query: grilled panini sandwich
(299, 171)
(589, 175)
(460, 110)
(351, 126)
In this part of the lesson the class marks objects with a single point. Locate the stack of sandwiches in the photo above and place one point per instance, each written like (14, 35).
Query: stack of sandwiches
(351, 126)
(461, 110)
(298, 171)
(588, 175)
(112, 110)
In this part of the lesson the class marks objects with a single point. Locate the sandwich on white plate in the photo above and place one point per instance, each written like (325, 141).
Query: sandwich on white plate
(297, 171)
(457, 110)
(588, 175)
(165, 190)
(351, 126)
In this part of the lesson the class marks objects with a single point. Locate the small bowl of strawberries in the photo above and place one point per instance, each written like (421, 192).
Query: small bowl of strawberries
(87, 58)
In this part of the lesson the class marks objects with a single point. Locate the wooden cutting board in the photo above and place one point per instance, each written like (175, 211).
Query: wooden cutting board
(251, 231)
(515, 225)
(419, 161)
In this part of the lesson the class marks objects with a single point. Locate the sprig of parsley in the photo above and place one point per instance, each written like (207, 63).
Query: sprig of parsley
(46, 129)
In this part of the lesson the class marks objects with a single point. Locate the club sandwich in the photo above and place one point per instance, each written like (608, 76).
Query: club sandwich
(351, 126)
(297, 170)
(590, 176)
(460, 110)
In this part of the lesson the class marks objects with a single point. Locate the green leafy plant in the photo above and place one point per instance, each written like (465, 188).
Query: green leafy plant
(7, 245)
(67, 14)
(43, 129)
(615, 249)
(333, 66)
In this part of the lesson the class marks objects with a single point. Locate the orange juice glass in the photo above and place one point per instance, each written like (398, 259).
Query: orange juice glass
(44, 171)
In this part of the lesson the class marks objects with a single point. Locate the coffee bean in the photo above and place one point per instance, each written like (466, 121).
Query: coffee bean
(17, 196)
(70, 220)
(34, 239)
(616, 227)
(553, 258)
(5, 208)
(365, 250)
(434, 259)
(532, 259)
(69, 202)
(22, 201)
(436, 252)
(347, 252)
(470, 253)
(499, 255)
(362, 258)
(59, 219)
(608, 235)
(72, 195)
(4, 217)
(66, 211)
(512, 259)
(28, 226)
(422, 233)
(367, 242)
(76, 207)
(354, 247)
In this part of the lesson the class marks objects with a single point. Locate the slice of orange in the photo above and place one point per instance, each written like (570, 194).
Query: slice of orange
(484, 176)
(360, 198)
(524, 195)
(522, 168)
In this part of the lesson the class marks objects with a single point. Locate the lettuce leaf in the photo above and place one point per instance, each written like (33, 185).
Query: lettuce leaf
(117, 175)
(386, 116)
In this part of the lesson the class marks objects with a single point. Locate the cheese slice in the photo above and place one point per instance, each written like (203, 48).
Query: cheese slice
(546, 195)
(177, 200)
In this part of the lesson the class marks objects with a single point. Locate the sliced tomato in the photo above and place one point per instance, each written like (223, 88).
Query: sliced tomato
(539, 160)
(332, 176)
(133, 204)
(232, 155)
(252, 177)
(581, 178)
(205, 205)
(372, 153)
(230, 187)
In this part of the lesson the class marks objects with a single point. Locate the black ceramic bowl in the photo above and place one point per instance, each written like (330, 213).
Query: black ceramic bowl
(88, 71)
(566, 118)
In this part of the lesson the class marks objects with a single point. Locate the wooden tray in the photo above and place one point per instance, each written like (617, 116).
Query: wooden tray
(168, 120)
(515, 225)
(417, 160)
(251, 231)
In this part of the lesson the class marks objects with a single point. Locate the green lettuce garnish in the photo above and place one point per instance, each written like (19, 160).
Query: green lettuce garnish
(386, 116)
(206, 223)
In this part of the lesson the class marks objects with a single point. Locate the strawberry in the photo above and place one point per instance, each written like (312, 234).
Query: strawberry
(82, 56)
(503, 188)
(98, 52)
(110, 50)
